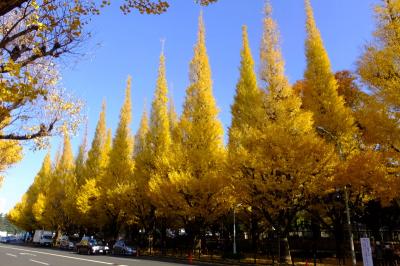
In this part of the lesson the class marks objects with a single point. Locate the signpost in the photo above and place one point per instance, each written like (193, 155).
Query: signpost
(366, 251)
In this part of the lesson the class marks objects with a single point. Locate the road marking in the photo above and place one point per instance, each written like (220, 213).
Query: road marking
(12, 255)
(39, 262)
(61, 256)
(27, 254)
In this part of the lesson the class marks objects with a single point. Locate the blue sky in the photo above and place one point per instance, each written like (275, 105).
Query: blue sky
(125, 45)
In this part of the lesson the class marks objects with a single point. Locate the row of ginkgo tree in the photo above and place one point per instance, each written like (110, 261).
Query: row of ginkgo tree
(290, 148)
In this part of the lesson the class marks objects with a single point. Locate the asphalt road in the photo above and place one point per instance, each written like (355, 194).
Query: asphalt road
(14, 255)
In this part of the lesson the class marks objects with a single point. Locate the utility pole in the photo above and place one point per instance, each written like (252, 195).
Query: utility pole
(323, 131)
(346, 200)
(234, 227)
(234, 232)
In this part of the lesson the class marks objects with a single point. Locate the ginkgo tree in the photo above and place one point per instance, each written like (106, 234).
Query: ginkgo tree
(247, 117)
(28, 214)
(119, 170)
(93, 171)
(378, 68)
(195, 190)
(288, 161)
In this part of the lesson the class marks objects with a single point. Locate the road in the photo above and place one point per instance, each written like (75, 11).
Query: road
(14, 255)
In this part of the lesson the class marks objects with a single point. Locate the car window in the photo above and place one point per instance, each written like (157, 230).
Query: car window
(47, 237)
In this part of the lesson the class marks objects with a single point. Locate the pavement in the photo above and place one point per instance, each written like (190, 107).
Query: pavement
(15, 255)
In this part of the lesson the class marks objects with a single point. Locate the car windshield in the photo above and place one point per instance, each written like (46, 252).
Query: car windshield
(47, 237)
(93, 242)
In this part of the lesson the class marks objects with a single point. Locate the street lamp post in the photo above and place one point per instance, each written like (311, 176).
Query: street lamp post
(234, 227)
(346, 195)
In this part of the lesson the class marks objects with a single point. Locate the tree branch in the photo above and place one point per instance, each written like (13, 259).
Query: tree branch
(42, 132)
(8, 5)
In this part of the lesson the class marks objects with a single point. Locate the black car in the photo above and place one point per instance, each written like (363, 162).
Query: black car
(91, 246)
(122, 247)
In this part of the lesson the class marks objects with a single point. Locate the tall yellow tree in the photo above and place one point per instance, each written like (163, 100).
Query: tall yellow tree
(153, 146)
(173, 117)
(88, 197)
(378, 68)
(120, 166)
(28, 213)
(17, 215)
(159, 134)
(321, 96)
(248, 115)
(61, 210)
(80, 162)
(289, 161)
(138, 205)
(195, 189)
(43, 183)
(160, 139)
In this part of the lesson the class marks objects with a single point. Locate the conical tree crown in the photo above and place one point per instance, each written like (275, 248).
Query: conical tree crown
(57, 157)
(67, 157)
(160, 135)
(108, 144)
(173, 118)
(44, 174)
(193, 187)
(141, 137)
(282, 105)
(247, 108)
(201, 129)
(272, 63)
(321, 93)
(97, 153)
(80, 161)
(120, 162)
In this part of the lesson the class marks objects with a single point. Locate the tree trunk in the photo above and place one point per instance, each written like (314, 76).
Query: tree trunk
(339, 239)
(254, 235)
(316, 231)
(163, 236)
(285, 256)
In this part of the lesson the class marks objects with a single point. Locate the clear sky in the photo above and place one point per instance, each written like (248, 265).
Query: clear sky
(125, 45)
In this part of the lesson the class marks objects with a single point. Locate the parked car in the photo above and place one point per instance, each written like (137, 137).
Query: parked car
(68, 242)
(91, 246)
(4, 239)
(12, 239)
(122, 247)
